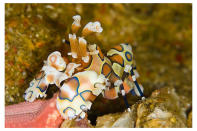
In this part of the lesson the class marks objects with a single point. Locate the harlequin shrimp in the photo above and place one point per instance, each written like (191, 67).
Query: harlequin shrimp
(90, 74)
(117, 67)
(76, 91)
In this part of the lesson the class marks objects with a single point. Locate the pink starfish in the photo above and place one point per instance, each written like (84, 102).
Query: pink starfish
(38, 114)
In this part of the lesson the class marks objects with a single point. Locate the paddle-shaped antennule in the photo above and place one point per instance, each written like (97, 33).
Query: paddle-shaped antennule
(56, 61)
(92, 27)
(76, 23)
(83, 49)
(74, 45)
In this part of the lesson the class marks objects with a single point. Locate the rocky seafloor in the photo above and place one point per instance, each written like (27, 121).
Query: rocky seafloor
(161, 38)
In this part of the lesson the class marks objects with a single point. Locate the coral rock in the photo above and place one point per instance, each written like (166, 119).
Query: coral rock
(84, 123)
(118, 120)
(162, 109)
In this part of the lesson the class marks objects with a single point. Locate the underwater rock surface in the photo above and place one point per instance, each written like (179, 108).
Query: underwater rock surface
(76, 124)
(162, 109)
(121, 120)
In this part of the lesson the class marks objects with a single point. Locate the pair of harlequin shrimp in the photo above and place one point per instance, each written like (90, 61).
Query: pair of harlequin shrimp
(88, 75)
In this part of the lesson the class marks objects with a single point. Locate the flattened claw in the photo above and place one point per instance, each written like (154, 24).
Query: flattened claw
(33, 91)
(31, 94)
(28, 96)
